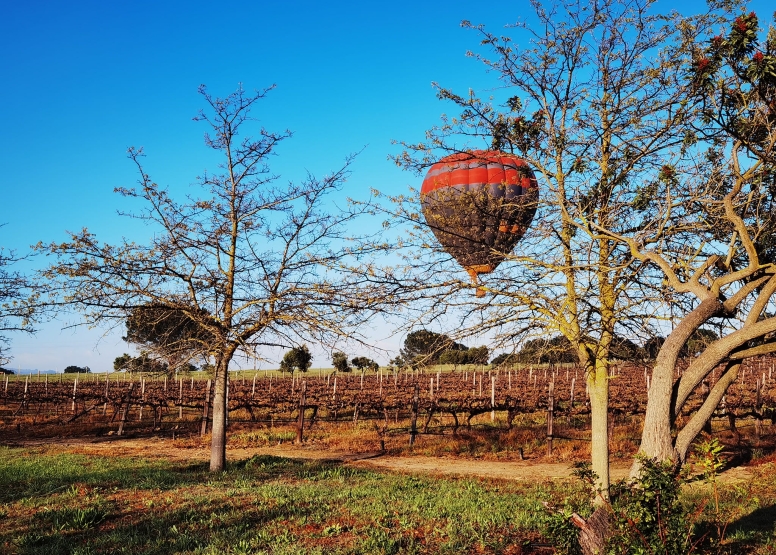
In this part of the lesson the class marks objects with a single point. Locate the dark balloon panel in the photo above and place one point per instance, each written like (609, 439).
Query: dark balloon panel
(479, 206)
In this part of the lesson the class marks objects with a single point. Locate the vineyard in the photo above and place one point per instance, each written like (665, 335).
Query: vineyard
(396, 402)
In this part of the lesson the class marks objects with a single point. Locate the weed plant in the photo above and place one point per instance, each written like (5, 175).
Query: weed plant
(665, 512)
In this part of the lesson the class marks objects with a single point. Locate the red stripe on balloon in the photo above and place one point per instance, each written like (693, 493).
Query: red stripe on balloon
(478, 168)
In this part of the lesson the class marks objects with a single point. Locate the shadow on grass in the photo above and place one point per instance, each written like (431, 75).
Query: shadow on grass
(84, 505)
(270, 467)
(220, 526)
(28, 475)
(752, 529)
(196, 519)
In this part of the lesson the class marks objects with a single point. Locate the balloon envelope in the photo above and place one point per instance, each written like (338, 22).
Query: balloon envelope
(479, 205)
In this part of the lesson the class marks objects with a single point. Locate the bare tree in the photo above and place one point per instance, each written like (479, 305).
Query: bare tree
(249, 263)
(597, 106)
(17, 302)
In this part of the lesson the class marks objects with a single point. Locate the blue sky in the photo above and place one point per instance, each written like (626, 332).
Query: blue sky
(82, 81)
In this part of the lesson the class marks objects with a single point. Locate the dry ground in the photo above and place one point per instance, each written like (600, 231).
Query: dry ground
(158, 447)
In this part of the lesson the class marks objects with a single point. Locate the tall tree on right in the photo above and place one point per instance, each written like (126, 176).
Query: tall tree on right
(596, 103)
(725, 210)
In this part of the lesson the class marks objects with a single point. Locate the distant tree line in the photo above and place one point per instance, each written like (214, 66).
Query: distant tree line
(340, 362)
(145, 362)
(558, 349)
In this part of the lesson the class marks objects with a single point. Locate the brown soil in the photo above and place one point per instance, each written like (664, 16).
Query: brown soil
(183, 450)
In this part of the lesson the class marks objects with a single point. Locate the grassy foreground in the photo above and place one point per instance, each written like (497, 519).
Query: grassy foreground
(62, 503)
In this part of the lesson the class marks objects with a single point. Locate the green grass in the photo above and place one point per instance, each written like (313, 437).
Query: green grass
(64, 503)
(74, 504)
(746, 517)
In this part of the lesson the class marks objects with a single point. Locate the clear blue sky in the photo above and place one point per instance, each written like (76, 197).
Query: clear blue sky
(82, 81)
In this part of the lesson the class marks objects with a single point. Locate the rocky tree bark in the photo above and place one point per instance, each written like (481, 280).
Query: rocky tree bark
(248, 262)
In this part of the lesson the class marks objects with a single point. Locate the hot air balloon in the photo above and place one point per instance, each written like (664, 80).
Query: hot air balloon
(479, 205)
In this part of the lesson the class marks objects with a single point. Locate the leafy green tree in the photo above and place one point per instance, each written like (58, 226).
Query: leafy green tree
(397, 362)
(699, 341)
(77, 370)
(423, 347)
(145, 362)
(186, 368)
(454, 357)
(123, 362)
(474, 355)
(340, 362)
(652, 347)
(553, 350)
(298, 358)
(505, 358)
(364, 363)
(169, 334)
(478, 355)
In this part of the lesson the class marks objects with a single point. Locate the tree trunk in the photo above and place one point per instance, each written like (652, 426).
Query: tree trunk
(656, 438)
(598, 382)
(218, 441)
(594, 531)
(657, 441)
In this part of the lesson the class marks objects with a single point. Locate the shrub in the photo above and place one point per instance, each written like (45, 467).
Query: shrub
(646, 515)
(77, 370)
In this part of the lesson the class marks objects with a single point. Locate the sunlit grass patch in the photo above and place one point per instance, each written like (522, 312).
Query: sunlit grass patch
(61, 503)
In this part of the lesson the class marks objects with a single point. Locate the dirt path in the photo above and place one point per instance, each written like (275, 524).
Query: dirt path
(172, 450)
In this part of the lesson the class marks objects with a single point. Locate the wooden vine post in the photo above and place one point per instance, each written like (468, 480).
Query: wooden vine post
(75, 388)
(300, 424)
(758, 405)
(493, 398)
(25, 398)
(550, 415)
(142, 400)
(125, 409)
(573, 383)
(180, 399)
(205, 411)
(105, 405)
(414, 424)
